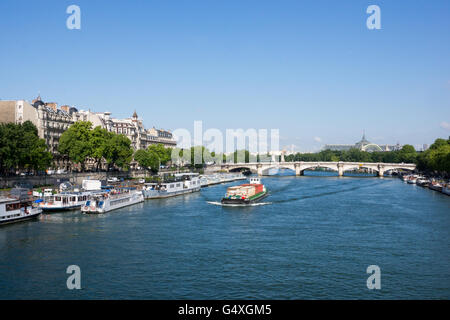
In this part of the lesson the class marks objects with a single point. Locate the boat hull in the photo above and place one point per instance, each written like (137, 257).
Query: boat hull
(107, 206)
(21, 219)
(56, 209)
(255, 199)
(435, 188)
(151, 194)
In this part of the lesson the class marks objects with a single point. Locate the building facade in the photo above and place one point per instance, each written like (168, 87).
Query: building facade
(51, 121)
(363, 145)
(133, 128)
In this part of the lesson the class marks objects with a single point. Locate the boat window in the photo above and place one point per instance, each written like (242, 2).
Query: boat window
(57, 198)
(12, 206)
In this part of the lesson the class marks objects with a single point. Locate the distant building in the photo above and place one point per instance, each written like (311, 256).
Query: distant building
(363, 145)
(52, 121)
(49, 120)
(133, 128)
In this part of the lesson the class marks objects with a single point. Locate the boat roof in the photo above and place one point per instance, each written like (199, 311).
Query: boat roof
(5, 199)
(186, 174)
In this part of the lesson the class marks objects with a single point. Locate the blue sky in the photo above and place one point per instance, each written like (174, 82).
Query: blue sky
(310, 68)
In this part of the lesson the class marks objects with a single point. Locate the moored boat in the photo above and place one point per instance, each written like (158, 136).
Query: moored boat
(412, 179)
(102, 202)
(64, 201)
(446, 189)
(436, 186)
(423, 182)
(245, 193)
(18, 207)
(183, 183)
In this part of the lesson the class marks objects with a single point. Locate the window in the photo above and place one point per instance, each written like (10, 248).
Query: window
(12, 206)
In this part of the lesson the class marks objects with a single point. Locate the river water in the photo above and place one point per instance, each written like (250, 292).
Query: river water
(313, 240)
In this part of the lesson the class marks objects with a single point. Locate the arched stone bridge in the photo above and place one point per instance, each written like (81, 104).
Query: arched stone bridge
(261, 168)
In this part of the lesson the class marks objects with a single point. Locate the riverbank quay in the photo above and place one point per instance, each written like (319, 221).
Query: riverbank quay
(76, 178)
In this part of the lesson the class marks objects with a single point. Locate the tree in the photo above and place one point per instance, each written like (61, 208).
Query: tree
(21, 148)
(164, 154)
(148, 159)
(98, 140)
(76, 142)
(118, 150)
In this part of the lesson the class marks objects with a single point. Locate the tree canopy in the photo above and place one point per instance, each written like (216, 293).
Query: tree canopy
(152, 158)
(80, 142)
(22, 149)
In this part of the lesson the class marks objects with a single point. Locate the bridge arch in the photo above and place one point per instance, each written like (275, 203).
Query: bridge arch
(242, 168)
(265, 170)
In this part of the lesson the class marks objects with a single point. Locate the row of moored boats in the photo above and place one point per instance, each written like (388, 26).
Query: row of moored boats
(433, 184)
(95, 198)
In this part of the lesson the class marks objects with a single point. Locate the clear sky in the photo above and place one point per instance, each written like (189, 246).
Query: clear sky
(310, 68)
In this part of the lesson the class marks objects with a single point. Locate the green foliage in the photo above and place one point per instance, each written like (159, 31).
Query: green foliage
(76, 142)
(147, 159)
(21, 148)
(436, 158)
(155, 156)
(406, 155)
(118, 150)
(163, 154)
(99, 143)
(80, 142)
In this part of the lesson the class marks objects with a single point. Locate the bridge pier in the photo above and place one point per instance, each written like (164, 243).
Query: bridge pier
(340, 167)
(380, 170)
(259, 169)
(298, 170)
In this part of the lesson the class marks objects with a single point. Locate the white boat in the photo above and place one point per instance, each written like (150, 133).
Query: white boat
(436, 186)
(184, 183)
(406, 177)
(64, 201)
(14, 209)
(106, 201)
(446, 189)
(422, 182)
(412, 179)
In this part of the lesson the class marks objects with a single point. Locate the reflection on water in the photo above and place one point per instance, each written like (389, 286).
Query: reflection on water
(315, 240)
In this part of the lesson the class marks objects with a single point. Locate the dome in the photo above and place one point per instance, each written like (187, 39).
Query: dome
(38, 102)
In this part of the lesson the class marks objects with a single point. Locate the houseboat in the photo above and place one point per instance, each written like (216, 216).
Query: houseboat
(17, 208)
(102, 202)
(183, 183)
(65, 201)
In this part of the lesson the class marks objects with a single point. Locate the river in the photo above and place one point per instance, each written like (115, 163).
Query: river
(314, 239)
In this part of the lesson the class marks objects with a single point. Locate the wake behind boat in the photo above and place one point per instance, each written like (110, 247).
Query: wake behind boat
(245, 194)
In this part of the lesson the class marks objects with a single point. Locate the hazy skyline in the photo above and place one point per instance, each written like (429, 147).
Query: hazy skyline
(309, 68)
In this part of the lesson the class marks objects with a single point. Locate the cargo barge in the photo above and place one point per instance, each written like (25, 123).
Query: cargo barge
(246, 193)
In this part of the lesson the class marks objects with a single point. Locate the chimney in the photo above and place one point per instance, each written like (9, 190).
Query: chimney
(65, 108)
(52, 105)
